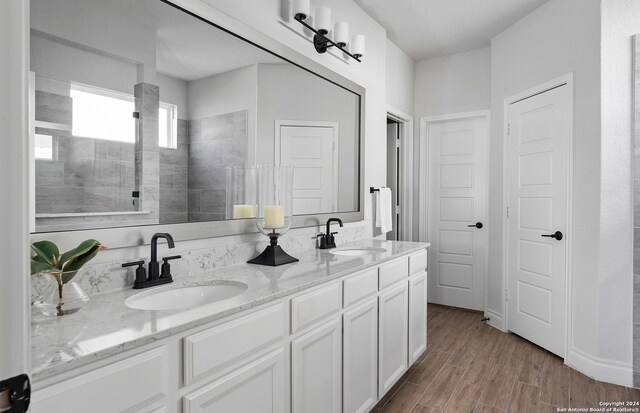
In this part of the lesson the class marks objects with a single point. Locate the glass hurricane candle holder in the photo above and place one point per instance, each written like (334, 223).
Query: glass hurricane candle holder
(241, 192)
(274, 188)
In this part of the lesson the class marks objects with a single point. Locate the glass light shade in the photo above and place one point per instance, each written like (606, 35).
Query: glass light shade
(241, 192)
(275, 199)
(357, 45)
(301, 8)
(341, 33)
(323, 19)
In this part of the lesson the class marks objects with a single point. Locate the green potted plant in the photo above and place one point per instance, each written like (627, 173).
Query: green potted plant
(59, 270)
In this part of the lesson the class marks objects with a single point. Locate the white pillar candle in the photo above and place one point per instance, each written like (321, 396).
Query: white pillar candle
(341, 33)
(357, 45)
(244, 211)
(323, 19)
(301, 8)
(274, 217)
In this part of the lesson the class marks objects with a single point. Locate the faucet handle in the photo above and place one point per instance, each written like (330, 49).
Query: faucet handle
(141, 273)
(166, 267)
(334, 233)
(321, 234)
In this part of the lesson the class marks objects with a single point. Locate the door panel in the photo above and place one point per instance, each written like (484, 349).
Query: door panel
(457, 199)
(537, 145)
(316, 363)
(310, 150)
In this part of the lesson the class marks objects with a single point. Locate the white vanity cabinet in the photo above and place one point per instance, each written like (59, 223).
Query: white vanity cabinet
(360, 351)
(334, 348)
(129, 385)
(417, 315)
(316, 366)
(258, 387)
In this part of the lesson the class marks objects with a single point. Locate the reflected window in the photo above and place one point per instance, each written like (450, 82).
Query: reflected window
(105, 114)
(102, 114)
(43, 147)
(168, 126)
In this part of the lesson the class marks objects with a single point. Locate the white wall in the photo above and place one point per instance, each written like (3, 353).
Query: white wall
(454, 83)
(537, 49)
(399, 75)
(449, 84)
(620, 21)
(14, 177)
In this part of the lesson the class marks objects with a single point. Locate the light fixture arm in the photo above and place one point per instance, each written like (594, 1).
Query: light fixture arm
(322, 42)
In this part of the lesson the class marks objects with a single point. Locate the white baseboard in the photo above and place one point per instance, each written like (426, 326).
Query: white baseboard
(495, 319)
(609, 371)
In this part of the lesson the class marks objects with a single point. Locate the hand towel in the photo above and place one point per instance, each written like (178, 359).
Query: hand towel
(384, 210)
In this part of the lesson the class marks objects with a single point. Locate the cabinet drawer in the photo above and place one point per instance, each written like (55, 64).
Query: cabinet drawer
(417, 262)
(310, 308)
(360, 286)
(213, 349)
(127, 385)
(393, 272)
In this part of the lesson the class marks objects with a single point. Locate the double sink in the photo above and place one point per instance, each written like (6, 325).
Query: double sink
(191, 296)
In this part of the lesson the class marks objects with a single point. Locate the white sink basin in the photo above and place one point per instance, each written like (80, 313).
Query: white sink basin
(358, 252)
(185, 297)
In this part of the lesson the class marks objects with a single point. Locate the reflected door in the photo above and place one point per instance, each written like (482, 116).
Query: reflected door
(310, 149)
(537, 142)
(457, 212)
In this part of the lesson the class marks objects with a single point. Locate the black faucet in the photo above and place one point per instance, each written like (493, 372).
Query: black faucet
(327, 239)
(156, 277)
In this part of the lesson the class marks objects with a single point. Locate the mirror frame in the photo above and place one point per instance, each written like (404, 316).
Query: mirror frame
(121, 237)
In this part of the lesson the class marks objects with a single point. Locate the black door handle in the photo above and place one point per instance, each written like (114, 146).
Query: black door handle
(556, 235)
(477, 225)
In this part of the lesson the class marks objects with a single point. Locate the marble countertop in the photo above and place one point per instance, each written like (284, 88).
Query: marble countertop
(105, 326)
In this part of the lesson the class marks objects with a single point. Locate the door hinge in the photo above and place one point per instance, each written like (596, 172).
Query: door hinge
(508, 129)
(506, 294)
(397, 143)
(507, 212)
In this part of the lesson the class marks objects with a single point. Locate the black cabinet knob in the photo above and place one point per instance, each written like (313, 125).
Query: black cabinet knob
(477, 225)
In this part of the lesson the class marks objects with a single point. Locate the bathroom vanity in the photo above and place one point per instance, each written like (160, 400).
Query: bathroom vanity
(332, 333)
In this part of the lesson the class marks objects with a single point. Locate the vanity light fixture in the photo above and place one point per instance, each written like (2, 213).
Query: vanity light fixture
(321, 40)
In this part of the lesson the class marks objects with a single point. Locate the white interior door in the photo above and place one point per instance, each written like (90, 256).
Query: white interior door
(310, 149)
(458, 212)
(537, 148)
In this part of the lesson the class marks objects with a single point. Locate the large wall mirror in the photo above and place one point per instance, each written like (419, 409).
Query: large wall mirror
(141, 111)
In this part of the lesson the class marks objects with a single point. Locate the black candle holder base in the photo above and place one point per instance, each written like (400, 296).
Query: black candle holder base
(273, 255)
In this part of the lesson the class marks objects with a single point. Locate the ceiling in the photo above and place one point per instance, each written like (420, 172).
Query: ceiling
(425, 29)
(187, 48)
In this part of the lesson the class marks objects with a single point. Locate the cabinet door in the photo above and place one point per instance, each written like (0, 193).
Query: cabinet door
(360, 351)
(417, 316)
(393, 336)
(316, 377)
(258, 387)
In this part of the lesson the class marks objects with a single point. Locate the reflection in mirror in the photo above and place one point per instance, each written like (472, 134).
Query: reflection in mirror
(142, 114)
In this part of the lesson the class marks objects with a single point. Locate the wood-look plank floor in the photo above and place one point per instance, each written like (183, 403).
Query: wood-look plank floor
(470, 367)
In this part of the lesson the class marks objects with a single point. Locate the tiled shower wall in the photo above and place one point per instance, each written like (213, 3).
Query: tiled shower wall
(215, 142)
(636, 217)
(173, 178)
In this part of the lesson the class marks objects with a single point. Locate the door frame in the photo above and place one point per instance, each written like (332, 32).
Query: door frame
(310, 124)
(563, 80)
(425, 198)
(405, 134)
